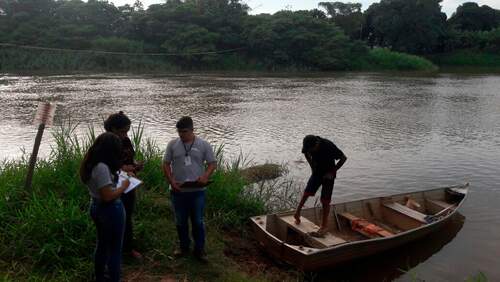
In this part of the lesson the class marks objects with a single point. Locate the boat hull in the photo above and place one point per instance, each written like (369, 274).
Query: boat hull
(307, 258)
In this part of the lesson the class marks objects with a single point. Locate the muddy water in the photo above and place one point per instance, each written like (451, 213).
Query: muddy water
(400, 133)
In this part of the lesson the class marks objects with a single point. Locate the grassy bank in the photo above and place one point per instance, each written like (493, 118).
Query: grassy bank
(382, 59)
(467, 58)
(19, 60)
(47, 235)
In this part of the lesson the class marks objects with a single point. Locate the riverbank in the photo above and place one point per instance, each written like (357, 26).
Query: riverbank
(47, 234)
(378, 59)
(21, 61)
(468, 59)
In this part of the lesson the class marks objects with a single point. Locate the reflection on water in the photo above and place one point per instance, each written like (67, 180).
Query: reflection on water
(392, 264)
(400, 133)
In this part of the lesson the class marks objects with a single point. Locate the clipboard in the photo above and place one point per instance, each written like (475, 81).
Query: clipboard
(134, 182)
(194, 184)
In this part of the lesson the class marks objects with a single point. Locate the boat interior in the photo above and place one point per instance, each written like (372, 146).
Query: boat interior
(381, 217)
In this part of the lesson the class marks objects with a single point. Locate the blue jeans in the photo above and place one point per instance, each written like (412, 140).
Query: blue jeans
(190, 205)
(109, 219)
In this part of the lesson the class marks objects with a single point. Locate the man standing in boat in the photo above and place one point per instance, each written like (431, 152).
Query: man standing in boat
(325, 159)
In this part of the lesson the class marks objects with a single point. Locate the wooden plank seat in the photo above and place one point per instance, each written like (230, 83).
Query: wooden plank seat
(306, 226)
(416, 215)
(441, 204)
(365, 227)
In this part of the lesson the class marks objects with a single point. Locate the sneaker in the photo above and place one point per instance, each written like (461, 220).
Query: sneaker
(200, 255)
(179, 253)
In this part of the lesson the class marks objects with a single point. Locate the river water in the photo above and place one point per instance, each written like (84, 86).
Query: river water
(399, 132)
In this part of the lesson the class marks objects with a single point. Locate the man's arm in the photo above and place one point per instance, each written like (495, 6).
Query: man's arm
(309, 159)
(206, 176)
(341, 162)
(167, 171)
(210, 159)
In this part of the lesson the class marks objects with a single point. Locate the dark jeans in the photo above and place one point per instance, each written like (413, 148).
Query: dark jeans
(109, 219)
(129, 205)
(190, 205)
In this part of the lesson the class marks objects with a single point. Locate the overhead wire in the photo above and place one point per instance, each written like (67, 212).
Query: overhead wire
(31, 47)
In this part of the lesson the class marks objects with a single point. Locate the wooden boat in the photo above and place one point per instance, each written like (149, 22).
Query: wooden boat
(356, 229)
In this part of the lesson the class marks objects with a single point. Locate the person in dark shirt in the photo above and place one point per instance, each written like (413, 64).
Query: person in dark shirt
(325, 159)
(119, 124)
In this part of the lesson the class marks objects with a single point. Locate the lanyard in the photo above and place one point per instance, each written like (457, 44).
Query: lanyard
(190, 147)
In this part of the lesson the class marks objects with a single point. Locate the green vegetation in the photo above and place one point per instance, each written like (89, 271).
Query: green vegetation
(480, 277)
(190, 35)
(472, 49)
(47, 234)
(468, 58)
(27, 60)
(411, 26)
(222, 35)
(384, 59)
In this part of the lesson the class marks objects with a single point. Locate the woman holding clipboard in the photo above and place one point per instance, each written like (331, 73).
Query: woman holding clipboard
(99, 171)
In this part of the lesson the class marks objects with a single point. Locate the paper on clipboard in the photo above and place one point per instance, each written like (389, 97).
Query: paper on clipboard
(134, 182)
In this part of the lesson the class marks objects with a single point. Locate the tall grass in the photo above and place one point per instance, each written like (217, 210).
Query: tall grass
(47, 232)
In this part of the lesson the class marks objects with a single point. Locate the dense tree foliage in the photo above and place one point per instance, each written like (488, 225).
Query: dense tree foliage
(412, 26)
(300, 38)
(347, 16)
(471, 17)
(192, 33)
(420, 27)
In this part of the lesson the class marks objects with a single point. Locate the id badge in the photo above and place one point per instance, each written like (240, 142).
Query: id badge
(187, 161)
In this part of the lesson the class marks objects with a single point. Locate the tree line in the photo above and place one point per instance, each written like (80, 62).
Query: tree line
(335, 36)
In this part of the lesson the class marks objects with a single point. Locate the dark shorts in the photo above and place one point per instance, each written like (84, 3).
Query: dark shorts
(326, 190)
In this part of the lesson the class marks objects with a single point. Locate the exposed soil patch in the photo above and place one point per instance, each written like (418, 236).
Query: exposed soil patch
(252, 259)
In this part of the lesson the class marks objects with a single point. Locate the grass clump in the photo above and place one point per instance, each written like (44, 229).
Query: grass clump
(47, 235)
(267, 171)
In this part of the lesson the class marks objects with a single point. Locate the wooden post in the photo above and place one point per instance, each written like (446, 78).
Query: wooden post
(34, 154)
(43, 117)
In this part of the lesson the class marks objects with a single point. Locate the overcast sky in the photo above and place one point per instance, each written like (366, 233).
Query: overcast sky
(272, 6)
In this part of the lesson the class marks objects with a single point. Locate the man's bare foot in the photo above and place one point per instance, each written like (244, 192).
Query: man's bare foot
(319, 233)
(297, 217)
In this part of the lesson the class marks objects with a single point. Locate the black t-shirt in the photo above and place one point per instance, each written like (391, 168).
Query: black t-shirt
(324, 159)
(128, 152)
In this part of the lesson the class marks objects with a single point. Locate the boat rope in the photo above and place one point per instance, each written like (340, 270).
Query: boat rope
(12, 45)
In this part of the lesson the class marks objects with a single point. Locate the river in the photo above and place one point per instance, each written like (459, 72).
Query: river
(399, 132)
